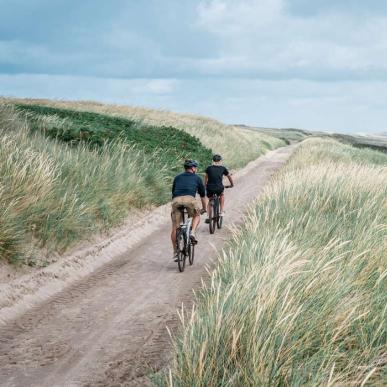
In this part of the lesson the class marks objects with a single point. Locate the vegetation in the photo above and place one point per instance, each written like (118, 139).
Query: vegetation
(299, 298)
(237, 145)
(53, 194)
(285, 134)
(68, 173)
(372, 142)
(173, 145)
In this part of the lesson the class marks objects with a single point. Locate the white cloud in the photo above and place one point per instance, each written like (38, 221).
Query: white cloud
(336, 106)
(158, 86)
(89, 88)
(225, 16)
(268, 38)
(16, 51)
(263, 62)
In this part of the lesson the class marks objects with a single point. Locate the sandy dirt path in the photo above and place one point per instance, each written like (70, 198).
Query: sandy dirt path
(109, 328)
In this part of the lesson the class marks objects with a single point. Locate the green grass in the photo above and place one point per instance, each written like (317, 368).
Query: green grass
(173, 145)
(54, 194)
(286, 135)
(236, 144)
(370, 142)
(299, 297)
(66, 174)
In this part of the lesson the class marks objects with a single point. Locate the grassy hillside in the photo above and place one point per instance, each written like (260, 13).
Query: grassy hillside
(300, 296)
(53, 194)
(66, 174)
(284, 134)
(237, 145)
(74, 127)
(372, 142)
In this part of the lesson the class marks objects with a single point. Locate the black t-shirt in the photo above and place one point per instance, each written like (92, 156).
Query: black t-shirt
(215, 175)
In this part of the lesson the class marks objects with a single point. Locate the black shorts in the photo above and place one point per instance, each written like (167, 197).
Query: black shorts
(212, 192)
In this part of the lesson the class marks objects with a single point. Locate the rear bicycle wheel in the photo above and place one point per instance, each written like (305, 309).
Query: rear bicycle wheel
(180, 248)
(191, 253)
(215, 215)
(219, 219)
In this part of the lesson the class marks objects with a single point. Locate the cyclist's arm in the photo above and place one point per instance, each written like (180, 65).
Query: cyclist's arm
(202, 193)
(206, 179)
(229, 177)
(204, 204)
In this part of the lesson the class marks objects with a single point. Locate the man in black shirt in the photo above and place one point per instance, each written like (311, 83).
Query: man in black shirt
(184, 189)
(214, 181)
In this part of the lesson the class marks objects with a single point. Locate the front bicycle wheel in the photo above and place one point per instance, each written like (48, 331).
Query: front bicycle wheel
(191, 253)
(180, 248)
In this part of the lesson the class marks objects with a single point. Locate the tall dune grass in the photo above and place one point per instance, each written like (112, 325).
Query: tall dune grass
(237, 145)
(53, 194)
(300, 297)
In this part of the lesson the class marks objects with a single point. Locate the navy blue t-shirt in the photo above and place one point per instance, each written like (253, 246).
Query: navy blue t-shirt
(188, 184)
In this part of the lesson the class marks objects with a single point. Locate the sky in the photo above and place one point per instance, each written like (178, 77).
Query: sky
(312, 64)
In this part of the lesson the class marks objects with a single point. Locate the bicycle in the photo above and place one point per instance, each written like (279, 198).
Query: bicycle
(215, 220)
(184, 246)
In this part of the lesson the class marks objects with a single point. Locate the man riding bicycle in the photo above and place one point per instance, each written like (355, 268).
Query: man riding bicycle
(214, 181)
(184, 189)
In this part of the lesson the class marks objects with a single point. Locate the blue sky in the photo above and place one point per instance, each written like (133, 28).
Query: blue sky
(282, 63)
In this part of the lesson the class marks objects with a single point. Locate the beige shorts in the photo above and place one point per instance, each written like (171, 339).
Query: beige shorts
(188, 202)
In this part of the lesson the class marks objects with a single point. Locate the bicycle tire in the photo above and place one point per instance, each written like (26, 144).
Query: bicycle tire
(219, 222)
(210, 215)
(215, 215)
(212, 225)
(180, 244)
(191, 253)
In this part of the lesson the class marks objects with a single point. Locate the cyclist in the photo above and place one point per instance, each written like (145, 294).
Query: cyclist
(214, 181)
(184, 189)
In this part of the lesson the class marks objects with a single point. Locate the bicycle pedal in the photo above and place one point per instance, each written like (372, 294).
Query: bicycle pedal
(194, 241)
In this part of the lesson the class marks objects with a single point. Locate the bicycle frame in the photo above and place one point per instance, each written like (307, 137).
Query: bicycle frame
(184, 245)
(214, 215)
(215, 203)
(186, 227)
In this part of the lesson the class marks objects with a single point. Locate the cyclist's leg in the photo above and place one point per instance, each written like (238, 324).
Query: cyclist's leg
(195, 221)
(221, 202)
(173, 237)
(174, 231)
(193, 210)
(209, 204)
(175, 217)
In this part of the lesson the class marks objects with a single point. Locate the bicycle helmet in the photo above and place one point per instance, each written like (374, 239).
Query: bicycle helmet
(216, 158)
(190, 164)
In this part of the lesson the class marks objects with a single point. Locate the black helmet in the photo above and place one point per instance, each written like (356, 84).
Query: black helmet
(216, 158)
(190, 164)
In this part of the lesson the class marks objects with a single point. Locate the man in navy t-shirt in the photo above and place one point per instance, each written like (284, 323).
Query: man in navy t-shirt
(214, 181)
(184, 189)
